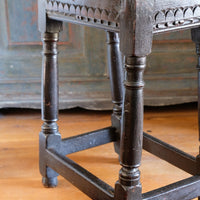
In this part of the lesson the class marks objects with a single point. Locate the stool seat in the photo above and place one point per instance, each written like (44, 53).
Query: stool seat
(106, 14)
(102, 14)
(130, 26)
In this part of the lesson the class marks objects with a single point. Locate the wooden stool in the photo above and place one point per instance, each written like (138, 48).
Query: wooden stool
(136, 22)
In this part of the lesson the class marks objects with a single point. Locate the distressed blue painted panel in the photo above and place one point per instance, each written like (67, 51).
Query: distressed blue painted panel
(180, 35)
(22, 22)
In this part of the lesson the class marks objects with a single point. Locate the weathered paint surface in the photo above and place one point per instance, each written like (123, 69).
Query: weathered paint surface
(82, 59)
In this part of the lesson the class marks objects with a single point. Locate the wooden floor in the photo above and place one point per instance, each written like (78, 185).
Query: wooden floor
(19, 173)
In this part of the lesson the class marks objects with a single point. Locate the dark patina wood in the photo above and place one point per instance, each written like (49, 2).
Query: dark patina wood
(49, 99)
(116, 81)
(196, 38)
(170, 154)
(136, 21)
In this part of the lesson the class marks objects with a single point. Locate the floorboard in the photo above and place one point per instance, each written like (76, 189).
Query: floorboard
(19, 129)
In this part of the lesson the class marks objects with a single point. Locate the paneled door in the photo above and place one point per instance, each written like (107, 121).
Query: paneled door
(82, 61)
(170, 76)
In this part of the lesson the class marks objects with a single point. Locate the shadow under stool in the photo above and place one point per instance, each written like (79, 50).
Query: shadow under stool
(130, 26)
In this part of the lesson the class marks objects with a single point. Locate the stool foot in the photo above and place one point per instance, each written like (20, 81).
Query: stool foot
(126, 193)
(49, 182)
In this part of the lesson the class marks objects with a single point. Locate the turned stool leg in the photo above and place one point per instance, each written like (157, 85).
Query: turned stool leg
(136, 35)
(196, 39)
(198, 68)
(128, 187)
(49, 105)
(116, 81)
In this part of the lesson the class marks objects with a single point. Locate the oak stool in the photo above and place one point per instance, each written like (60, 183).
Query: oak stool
(130, 26)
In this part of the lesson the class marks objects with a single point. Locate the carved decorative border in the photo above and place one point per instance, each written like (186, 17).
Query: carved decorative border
(84, 13)
(163, 20)
(169, 18)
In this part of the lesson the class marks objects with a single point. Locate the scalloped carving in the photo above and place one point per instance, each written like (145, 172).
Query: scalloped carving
(91, 13)
(196, 11)
(78, 10)
(61, 7)
(104, 15)
(94, 15)
(111, 17)
(72, 10)
(179, 14)
(160, 17)
(170, 16)
(175, 17)
(66, 8)
(49, 4)
(55, 6)
(97, 13)
(84, 11)
(188, 13)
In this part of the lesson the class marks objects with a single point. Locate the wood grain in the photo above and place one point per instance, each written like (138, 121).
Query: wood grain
(19, 173)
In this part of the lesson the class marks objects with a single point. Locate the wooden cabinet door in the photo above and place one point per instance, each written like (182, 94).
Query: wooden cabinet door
(170, 75)
(82, 61)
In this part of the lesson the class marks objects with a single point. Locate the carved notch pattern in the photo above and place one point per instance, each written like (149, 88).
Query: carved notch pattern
(84, 13)
(175, 17)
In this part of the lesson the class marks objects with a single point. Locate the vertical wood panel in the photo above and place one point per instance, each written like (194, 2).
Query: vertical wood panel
(170, 75)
